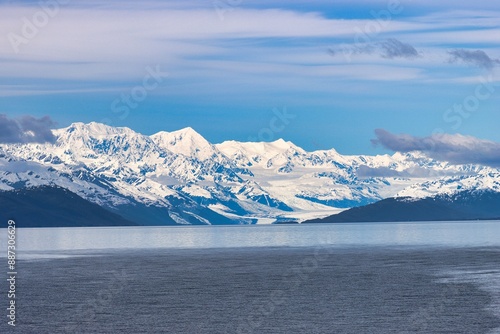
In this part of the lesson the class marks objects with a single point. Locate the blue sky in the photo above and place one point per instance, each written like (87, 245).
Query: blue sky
(337, 71)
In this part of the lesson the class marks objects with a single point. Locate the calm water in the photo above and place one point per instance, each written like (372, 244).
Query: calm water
(347, 278)
(35, 241)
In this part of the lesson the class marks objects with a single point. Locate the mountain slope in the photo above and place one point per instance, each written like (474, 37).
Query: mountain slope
(48, 206)
(465, 205)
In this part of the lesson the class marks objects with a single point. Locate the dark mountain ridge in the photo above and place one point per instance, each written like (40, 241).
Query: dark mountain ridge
(465, 205)
(52, 206)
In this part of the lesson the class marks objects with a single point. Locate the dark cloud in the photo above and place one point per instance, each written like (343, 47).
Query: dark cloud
(392, 48)
(473, 57)
(456, 148)
(26, 129)
(401, 142)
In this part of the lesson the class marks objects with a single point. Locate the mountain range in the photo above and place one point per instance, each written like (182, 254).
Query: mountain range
(177, 178)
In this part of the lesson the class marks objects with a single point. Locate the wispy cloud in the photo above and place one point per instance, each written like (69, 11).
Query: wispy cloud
(390, 48)
(454, 148)
(473, 57)
(111, 42)
(26, 129)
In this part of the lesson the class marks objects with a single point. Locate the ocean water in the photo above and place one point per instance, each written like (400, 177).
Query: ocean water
(347, 278)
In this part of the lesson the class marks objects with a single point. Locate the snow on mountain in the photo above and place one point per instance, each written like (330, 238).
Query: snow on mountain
(326, 178)
(251, 153)
(16, 173)
(244, 182)
(186, 142)
(485, 179)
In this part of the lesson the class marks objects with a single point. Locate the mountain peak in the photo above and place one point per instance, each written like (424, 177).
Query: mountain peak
(93, 129)
(93, 139)
(280, 142)
(188, 129)
(250, 150)
(188, 132)
(182, 133)
(285, 145)
(185, 141)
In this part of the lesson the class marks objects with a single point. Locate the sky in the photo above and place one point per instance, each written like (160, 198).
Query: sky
(354, 75)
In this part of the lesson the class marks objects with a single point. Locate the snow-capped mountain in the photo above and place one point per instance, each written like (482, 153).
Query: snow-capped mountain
(181, 178)
(485, 179)
(187, 142)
